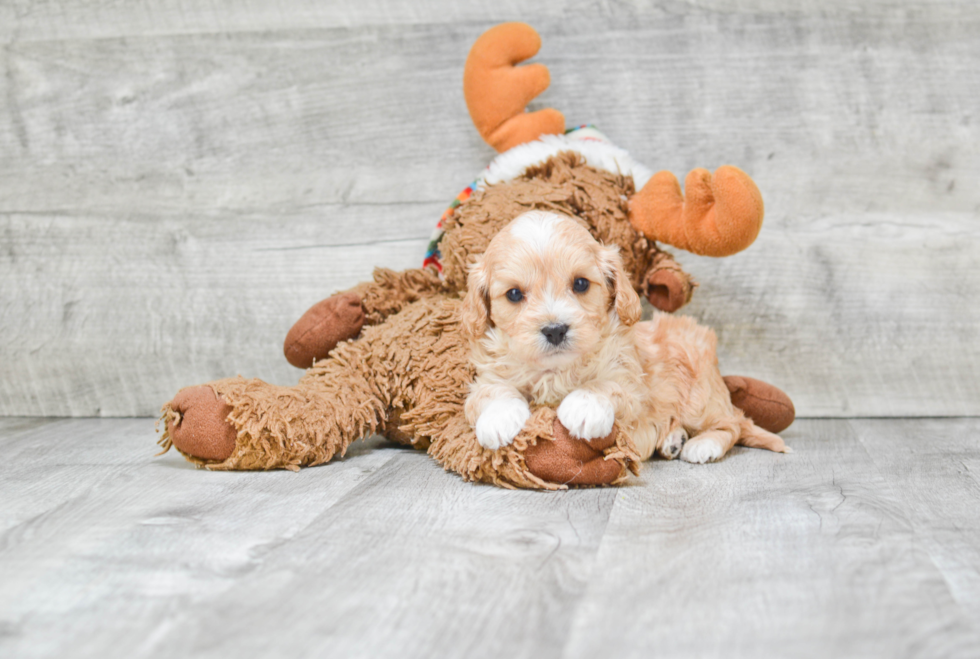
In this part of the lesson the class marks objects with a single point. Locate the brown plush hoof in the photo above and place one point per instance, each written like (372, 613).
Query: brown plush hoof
(573, 461)
(766, 405)
(203, 430)
(327, 323)
(666, 290)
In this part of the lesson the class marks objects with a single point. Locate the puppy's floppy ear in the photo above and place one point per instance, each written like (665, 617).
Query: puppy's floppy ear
(475, 314)
(625, 299)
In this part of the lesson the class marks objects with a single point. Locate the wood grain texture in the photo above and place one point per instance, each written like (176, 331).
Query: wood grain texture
(36, 20)
(455, 570)
(106, 543)
(813, 554)
(937, 465)
(111, 315)
(863, 542)
(182, 182)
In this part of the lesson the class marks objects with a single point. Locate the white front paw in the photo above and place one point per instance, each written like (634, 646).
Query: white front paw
(501, 421)
(587, 415)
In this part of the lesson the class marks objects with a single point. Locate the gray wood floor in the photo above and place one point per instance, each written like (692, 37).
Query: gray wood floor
(864, 542)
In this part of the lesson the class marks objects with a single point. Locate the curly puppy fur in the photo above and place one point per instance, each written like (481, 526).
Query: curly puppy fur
(548, 312)
(552, 319)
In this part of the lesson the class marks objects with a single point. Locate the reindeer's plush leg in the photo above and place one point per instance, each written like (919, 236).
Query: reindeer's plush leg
(543, 456)
(250, 424)
(768, 406)
(341, 316)
(497, 92)
(717, 215)
(665, 283)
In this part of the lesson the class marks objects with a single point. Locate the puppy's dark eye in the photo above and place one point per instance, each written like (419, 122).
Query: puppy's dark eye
(515, 295)
(580, 285)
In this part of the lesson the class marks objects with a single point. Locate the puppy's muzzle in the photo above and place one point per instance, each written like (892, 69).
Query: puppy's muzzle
(555, 333)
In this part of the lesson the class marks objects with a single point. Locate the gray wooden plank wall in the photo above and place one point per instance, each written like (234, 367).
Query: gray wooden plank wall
(180, 181)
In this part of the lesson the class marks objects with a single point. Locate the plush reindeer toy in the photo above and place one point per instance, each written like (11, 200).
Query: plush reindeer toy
(388, 356)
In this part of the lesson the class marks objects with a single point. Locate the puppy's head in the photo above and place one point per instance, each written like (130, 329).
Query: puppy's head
(547, 284)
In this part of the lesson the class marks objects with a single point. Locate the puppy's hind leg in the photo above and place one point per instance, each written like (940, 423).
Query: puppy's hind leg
(713, 442)
(753, 436)
(664, 441)
(706, 447)
(673, 443)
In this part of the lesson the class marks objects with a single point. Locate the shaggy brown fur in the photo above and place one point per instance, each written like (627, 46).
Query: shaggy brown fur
(414, 369)
(391, 291)
(563, 184)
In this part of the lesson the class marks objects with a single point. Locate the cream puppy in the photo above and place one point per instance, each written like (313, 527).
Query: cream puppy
(552, 318)
(685, 395)
(549, 310)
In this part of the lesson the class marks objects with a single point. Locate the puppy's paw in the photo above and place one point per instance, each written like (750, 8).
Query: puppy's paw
(587, 415)
(700, 451)
(673, 444)
(501, 422)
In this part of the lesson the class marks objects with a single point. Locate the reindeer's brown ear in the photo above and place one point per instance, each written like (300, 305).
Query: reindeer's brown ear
(625, 299)
(475, 314)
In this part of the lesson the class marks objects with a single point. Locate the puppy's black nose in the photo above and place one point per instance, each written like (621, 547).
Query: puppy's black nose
(555, 333)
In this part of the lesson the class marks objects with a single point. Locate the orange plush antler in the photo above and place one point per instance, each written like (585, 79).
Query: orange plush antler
(497, 92)
(717, 216)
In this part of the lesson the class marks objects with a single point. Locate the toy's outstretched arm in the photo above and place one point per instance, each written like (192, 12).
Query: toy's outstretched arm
(717, 215)
(342, 315)
(665, 284)
(497, 92)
